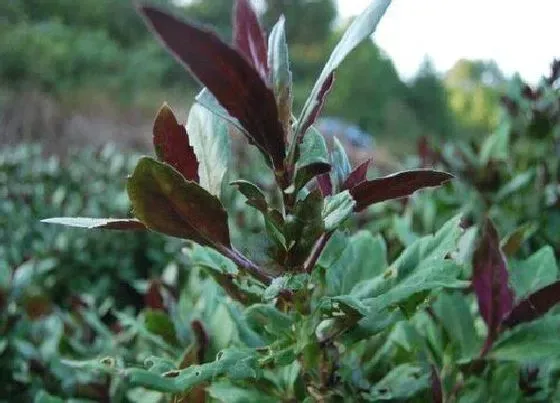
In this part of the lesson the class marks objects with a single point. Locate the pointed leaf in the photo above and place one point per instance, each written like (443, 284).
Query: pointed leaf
(315, 111)
(437, 392)
(228, 76)
(325, 184)
(340, 163)
(313, 158)
(361, 28)
(255, 196)
(210, 140)
(164, 201)
(534, 306)
(171, 143)
(396, 186)
(249, 37)
(358, 175)
(490, 278)
(280, 74)
(337, 209)
(209, 101)
(533, 273)
(97, 223)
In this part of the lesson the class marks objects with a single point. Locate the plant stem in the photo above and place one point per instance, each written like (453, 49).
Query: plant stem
(246, 264)
(316, 252)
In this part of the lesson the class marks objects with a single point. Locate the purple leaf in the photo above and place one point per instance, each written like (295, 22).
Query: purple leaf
(249, 37)
(97, 223)
(317, 106)
(437, 393)
(171, 143)
(325, 184)
(357, 176)
(226, 73)
(490, 280)
(395, 186)
(534, 306)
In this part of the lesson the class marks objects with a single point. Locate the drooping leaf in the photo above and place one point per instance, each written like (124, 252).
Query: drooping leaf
(280, 74)
(534, 306)
(337, 209)
(172, 145)
(313, 158)
(249, 38)
(211, 143)
(490, 278)
(340, 164)
(358, 175)
(396, 186)
(164, 201)
(361, 28)
(97, 223)
(236, 85)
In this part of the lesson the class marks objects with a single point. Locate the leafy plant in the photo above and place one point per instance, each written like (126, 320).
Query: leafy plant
(310, 311)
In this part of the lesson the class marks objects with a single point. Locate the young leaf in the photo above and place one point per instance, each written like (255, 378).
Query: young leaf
(255, 196)
(249, 37)
(171, 143)
(337, 209)
(317, 107)
(97, 223)
(313, 158)
(164, 201)
(340, 162)
(396, 186)
(357, 176)
(361, 28)
(534, 306)
(280, 74)
(490, 279)
(210, 140)
(228, 76)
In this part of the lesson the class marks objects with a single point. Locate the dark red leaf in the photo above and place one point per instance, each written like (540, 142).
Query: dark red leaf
(534, 306)
(357, 176)
(437, 393)
(226, 73)
(171, 143)
(490, 279)
(327, 85)
(325, 184)
(395, 186)
(153, 298)
(249, 37)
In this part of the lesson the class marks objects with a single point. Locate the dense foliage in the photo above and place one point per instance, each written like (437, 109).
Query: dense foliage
(295, 283)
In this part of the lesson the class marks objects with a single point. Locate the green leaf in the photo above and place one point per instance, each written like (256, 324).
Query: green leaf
(208, 101)
(232, 363)
(442, 274)
(360, 29)
(97, 223)
(340, 164)
(313, 158)
(209, 137)
(280, 74)
(496, 146)
(164, 201)
(255, 196)
(264, 316)
(210, 259)
(291, 282)
(303, 228)
(514, 240)
(158, 323)
(453, 312)
(225, 391)
(363, 257)
(402, 382)
(337, 209)
(529, 341)
(538, 271)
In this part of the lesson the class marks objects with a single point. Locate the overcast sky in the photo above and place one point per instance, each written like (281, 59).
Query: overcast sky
(521, 35)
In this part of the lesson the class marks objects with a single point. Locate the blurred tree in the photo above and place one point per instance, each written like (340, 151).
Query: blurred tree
(474, 93)
(429, 100)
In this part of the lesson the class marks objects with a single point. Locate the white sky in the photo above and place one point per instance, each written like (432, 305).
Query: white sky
(521, 35)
